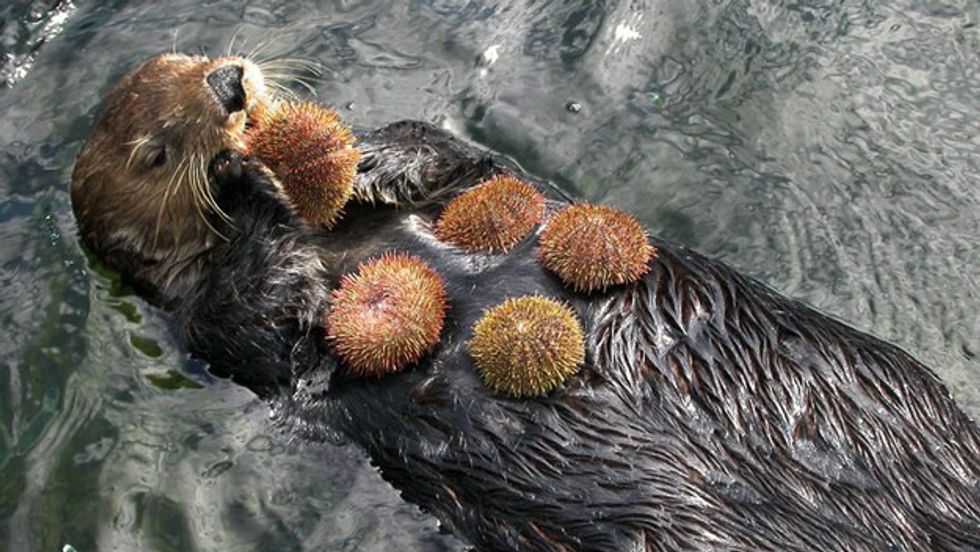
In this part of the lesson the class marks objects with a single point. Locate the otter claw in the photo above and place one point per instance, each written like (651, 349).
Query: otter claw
(243, 181)
(227, 165)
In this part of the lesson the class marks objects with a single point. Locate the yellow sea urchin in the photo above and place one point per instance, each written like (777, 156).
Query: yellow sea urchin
(386, 315)
(311, 151)
(493, 216)
(593, 247)
(527, 346)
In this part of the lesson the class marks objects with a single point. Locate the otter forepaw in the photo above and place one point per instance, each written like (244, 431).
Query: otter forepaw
(244, 186)
(225, 166)
(230, 166)
(236, 176)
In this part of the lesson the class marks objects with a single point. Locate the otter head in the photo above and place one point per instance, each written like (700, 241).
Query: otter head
(140, 190)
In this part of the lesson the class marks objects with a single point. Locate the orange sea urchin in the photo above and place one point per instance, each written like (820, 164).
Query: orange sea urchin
(593, 247)
(311, 151)
(527, 346)
(493, 216)
(387, 315)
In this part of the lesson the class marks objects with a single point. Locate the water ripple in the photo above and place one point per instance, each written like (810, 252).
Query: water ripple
(828, 148)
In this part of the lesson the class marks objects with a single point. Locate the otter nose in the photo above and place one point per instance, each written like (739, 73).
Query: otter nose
(226, 82)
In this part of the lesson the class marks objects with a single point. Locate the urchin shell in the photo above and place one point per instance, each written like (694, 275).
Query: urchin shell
(493, 216)
(387, 315)
(527, 346)
(592, 247)
(311, 152)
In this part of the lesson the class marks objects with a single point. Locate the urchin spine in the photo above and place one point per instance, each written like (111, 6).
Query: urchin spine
(492, 217)
(527, 346)
(593, 247)
(387, 315)
(312, 153)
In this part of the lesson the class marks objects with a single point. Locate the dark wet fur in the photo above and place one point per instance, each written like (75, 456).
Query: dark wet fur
(712, 413)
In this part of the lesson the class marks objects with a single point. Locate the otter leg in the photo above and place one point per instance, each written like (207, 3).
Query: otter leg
(415, 163)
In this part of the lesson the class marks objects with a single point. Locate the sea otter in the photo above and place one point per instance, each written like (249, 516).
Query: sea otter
(710, 413)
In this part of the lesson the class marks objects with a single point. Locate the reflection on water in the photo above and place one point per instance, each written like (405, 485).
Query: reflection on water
(829, 148)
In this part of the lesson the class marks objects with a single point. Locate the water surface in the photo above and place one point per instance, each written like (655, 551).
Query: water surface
(829, 148)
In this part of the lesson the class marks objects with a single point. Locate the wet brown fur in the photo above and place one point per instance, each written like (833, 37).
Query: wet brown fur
(143, 216)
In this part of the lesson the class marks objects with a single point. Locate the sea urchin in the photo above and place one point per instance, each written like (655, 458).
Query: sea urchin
(386, 315)
(593, 247)
(527, 346)
(311, 152)
(493, 216)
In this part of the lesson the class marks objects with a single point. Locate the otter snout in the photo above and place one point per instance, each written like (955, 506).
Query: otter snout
(226, 83)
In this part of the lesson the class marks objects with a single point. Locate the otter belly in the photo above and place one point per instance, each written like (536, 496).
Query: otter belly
(711, 412)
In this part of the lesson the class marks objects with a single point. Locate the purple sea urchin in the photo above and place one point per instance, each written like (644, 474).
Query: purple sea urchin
(527, 346)
(387, 314)
(311, 152)
(493, 216)
(593, 247)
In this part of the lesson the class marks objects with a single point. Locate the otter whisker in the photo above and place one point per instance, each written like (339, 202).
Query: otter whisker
(289, 75)
(204, 218)
(310, 65)
(307, 86)
(137, 144)
(279, 90)
(261, 47)
(290, 78)
(280, 96)
(170, 192)
(292, 70)
(231, 43)
(207, 195)
(198, 185)
(286, 95)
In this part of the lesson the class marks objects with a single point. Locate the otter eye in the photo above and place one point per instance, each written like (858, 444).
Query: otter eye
(159, 158)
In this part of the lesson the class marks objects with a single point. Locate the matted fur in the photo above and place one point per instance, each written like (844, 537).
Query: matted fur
(711, 413)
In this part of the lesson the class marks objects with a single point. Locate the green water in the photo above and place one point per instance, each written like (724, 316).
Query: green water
(829, 148)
